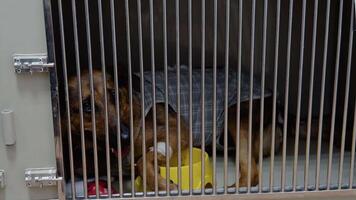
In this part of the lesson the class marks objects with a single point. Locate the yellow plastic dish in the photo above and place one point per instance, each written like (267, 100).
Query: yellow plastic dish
(197, 173)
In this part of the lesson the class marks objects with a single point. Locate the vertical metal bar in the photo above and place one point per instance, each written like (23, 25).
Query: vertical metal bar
(117, 96)
(65, 74)
(166, 93)
(226, 92)
(142, 89)
(321, 111)
(237, 155)
(214, 92)
(178, 98)
(132, 148)
(352, 162)
(275, 81)
(154, 97)
(203, 96)
(311, 91)
(107, 140)
(285, 118)
(336, 79)
(92, 98)
(346, 100)
(53, 76)
(252, 59)
(190, 99)
(262, 105)
(77, 62)
(352, 165)
(297, 126)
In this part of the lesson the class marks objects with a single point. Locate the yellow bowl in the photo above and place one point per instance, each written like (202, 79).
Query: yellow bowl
(197, 173)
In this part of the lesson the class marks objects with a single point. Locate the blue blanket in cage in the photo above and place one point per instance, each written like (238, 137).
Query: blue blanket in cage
(197, 96)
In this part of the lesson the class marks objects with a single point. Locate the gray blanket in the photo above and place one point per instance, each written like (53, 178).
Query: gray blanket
(197, 96)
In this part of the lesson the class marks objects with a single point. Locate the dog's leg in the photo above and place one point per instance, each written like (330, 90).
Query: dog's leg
(150, 171)
(161, 148)
(243, 149)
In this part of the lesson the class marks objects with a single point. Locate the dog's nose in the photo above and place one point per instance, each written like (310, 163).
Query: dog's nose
(87, 106)
(125, 134)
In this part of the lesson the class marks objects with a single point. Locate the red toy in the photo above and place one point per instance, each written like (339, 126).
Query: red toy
(103, 189)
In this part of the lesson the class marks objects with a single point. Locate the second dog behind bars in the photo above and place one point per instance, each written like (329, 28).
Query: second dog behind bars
(172, 146)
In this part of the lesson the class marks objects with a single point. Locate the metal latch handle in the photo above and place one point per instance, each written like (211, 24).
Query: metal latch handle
(41, 177)
(30, 63)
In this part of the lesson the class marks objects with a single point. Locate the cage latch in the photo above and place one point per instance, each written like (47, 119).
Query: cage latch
(30, 63)
(41, 177)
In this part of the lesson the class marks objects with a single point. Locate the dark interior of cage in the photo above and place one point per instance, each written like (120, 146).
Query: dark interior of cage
(319, 118)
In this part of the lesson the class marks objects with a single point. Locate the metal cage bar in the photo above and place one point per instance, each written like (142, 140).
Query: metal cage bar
(352, 162)
(128, 40)
(336, 77)
(275, 82)
(154, 98)
(53, 78)
(252, 59)
(190, 99)
(203, 97)
(300, 78)
(346, 100)
(178, 97)
(117, 96)
(92, 97)
(311, 92)
(64, 60)
(237, 156)
(214, 92)
(286, 95)
(262, 103)
(166, 92)
(321, 109)
(103, 66)
(142, 90)
(226, 93)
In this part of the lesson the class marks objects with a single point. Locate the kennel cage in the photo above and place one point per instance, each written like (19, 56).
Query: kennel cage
(302, 51)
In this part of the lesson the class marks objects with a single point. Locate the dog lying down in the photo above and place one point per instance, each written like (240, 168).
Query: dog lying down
(172, 121)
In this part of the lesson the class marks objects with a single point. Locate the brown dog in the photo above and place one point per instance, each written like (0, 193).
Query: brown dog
(161, 132)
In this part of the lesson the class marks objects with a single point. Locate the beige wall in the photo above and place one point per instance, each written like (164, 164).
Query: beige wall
(22, 31)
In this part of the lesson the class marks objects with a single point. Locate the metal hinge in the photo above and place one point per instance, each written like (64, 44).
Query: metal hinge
(41, 177)
(29, 63)
(2, 178)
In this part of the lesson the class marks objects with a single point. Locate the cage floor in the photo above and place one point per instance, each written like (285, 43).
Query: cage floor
(277, 169)
(289, 170)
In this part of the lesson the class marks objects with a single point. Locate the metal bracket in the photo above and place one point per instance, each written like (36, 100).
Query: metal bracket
(2, 178)
(29, 63)
(41, 177)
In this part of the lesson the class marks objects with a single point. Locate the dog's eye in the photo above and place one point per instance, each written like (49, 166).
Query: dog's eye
(87, 106)
(113, 94)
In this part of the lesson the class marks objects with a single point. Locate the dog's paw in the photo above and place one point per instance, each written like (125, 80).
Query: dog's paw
(243, 181)
(172, 186)
(232, 186)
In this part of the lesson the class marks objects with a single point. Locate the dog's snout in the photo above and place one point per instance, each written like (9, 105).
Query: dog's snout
(125, 134)
(87, 106)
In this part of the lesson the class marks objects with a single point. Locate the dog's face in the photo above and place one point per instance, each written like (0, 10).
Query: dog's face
(99, 108)
(99, 103)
